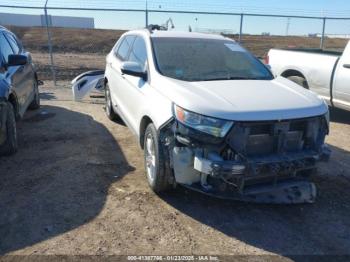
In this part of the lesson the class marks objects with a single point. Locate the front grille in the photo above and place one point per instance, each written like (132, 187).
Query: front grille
(260, 144)
(267, 138)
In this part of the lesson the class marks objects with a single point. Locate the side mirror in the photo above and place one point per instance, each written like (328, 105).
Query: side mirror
(133, 69)
(17, 60)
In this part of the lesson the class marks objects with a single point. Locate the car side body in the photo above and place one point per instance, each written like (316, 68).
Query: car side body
(18, 87)
(324, 72)
(238, 156)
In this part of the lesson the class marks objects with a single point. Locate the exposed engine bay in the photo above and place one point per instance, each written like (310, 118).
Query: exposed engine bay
(265, 162)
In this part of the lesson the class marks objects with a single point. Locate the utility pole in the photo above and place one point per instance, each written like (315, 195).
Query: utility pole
(323, 32)
(49, 44)
(240, 29)
(146, 13)
(287, 27)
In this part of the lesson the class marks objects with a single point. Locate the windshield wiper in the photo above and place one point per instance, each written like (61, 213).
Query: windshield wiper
(235, 78)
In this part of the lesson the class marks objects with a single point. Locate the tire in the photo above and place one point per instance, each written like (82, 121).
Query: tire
(10, 146)
(109, 108)
(299, 80)
(36, 100)
(157, 171)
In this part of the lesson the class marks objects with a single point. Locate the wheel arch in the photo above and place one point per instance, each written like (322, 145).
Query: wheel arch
(145, 121)
(12, 98)
(296, 73)
(293, 72)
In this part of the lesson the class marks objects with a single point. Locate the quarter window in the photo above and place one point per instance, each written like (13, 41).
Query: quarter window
(123, 50)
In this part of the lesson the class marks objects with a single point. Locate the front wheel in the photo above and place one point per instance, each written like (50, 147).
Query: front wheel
(36, 100)
(10, 146)
(157, 170)
(109, 108)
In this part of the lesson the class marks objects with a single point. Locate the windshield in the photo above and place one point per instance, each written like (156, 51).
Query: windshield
(193, 59)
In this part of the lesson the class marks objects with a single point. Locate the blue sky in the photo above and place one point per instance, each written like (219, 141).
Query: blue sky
(253, 25)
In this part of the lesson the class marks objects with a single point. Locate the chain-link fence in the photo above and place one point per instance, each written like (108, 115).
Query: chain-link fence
(65, 41)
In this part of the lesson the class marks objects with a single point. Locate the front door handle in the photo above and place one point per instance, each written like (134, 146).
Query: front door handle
(346, 66)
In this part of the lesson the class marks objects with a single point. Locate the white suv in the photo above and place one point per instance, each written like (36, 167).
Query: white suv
(211, 117)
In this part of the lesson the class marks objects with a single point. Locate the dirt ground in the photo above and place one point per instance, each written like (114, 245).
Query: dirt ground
(77, 187)
(68, 65)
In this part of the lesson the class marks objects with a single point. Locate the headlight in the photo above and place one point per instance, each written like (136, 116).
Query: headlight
(209, 125)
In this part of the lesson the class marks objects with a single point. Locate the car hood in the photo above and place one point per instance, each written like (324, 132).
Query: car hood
(244, 100)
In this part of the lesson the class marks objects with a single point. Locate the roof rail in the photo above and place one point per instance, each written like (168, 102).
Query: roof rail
(151, 28)
(163, 27)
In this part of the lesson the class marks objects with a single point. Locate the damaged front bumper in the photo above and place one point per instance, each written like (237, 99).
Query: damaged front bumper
(280, 183)
(266, 162)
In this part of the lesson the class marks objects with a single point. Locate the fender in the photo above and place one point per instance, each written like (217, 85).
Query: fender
(157, 103)
(293, 68)
(3, 118)
(4, 88)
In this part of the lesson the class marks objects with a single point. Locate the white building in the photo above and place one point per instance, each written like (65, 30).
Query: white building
(39, 20)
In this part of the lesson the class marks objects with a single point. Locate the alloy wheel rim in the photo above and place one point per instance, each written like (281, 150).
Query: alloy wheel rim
(150, 158)
(108, 102)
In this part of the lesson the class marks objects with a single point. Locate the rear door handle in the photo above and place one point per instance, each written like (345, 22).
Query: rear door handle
(346, 66)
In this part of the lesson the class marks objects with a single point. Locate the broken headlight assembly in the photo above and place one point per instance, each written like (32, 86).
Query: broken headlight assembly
(209, 125)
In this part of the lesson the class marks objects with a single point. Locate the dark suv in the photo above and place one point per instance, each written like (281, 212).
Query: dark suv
(18, 88)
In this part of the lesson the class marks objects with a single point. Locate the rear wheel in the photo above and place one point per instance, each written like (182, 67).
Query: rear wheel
(10, 145)
(299, 80)
(158, 174)
(36, 100)
(109, 108)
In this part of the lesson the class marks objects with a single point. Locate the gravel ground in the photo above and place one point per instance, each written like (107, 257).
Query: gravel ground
(77, 187)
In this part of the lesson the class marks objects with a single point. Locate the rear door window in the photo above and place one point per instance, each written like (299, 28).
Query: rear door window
(124, 48)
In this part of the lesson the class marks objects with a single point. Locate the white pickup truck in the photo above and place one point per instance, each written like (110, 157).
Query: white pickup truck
(327, 73)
